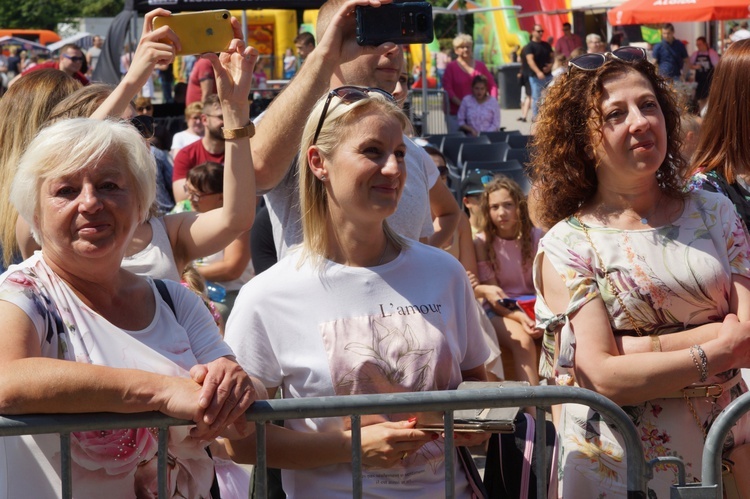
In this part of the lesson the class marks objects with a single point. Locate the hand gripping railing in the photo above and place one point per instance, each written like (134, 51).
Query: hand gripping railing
(265, 411)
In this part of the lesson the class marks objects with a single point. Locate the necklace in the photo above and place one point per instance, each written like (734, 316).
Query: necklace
(644, 219)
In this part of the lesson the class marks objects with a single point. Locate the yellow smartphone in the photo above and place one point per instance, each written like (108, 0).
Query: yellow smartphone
(199, 32)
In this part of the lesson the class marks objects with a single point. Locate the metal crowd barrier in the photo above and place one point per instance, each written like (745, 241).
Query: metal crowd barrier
(711, 485)
(263, 412)
(429, 116)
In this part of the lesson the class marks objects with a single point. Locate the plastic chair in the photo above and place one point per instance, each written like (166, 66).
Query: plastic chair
(493, 166)
(437, 138)
(482, 152)
(518, 141)
(520, 177)
(451, 145)
(521, 155)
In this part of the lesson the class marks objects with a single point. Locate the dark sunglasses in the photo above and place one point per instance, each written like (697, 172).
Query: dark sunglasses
(591, 62)
(144, 108)
(144, 124)
(73, 58)
(348, 94)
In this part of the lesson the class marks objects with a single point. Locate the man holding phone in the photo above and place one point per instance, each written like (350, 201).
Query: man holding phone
(337, 61)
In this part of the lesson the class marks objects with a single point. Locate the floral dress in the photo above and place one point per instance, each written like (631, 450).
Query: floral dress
(670, 278)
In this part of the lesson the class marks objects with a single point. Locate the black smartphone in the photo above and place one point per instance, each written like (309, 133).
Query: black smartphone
(400, 23)
(508, 303)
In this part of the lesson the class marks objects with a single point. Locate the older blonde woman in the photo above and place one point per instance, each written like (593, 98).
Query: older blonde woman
(83, 335)
(459, 75)
(357, 309)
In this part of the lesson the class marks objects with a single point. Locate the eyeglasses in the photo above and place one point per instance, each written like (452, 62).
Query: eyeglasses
(348, 94)
(194, 195)
(591, 62)
(144, 124)
(144, 108)
(74, 58)
(217, 116)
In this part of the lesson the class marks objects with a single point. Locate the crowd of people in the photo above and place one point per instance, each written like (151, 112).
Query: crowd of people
(319, 251)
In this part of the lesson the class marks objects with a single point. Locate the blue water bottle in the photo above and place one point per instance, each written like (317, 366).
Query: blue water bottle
(216, 292)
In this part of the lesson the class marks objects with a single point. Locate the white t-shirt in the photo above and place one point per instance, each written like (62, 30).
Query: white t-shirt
(157, 259)
(408, 325)
(117, 463)
(182, 139)
(412, 218)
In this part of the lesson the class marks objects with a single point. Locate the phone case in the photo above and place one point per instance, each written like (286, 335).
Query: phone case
(200, 32)
(400, 23)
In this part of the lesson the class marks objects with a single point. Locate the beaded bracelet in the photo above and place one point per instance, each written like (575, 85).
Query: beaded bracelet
(701, 365)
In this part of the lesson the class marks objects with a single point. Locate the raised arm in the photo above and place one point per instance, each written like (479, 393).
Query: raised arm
(280, 131)
(156, 47)
(196, 235)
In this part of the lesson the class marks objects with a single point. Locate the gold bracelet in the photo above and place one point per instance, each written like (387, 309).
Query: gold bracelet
(655, 343)
(246, 131)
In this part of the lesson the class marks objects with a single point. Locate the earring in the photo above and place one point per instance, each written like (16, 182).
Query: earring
(323, 178)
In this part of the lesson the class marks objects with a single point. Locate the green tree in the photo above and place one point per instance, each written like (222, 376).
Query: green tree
(37, 14)
(446, 24)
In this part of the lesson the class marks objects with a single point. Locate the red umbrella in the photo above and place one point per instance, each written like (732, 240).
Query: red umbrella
(675, 11)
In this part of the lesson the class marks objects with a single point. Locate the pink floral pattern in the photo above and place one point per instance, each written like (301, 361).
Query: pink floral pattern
(670, 278)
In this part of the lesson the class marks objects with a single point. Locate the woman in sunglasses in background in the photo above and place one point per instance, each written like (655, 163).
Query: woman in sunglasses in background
(357, 309)
(638, 282)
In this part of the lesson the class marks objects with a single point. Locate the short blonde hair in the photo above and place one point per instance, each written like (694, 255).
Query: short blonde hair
(462, 39)
(193, 108)
(68, 147)
(313, 194)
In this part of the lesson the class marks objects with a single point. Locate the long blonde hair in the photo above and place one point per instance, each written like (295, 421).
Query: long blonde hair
(313, 195)
(523, 229)
(25, 107)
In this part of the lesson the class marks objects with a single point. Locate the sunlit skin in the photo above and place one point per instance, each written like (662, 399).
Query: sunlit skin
(367, 172)
(634, 136)
(87, 214)
(504, 213)
(479, 91)
(201, 201)
(68, 65)
(372, 70)
(195, 125)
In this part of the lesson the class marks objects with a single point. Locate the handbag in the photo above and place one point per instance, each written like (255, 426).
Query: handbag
(736, 485)
(511, 465)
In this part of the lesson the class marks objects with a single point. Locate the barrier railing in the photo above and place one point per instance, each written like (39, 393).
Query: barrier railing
(354, 406)
(429, 116)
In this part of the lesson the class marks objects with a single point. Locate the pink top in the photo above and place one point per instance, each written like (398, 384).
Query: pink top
(484, 117)
(516, 280)
(457, 82)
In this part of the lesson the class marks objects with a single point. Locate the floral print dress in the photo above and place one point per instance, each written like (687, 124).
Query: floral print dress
(670, 278)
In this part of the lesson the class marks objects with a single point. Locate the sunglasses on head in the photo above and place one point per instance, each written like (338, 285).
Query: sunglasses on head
(348, 94)
(144, 124)
(591, 62)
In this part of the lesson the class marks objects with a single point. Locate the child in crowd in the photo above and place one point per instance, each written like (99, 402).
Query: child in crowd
(505, 251)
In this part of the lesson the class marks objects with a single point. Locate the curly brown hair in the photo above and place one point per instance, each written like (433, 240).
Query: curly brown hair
(562, 167)
(523, 232)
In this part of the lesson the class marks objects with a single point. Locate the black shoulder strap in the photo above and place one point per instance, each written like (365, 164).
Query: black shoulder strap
(164, 292)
